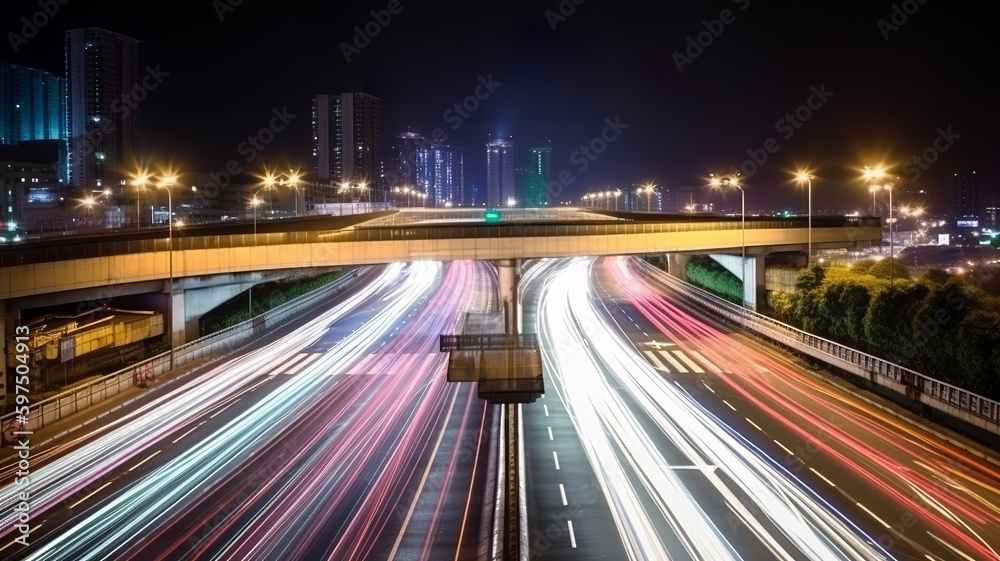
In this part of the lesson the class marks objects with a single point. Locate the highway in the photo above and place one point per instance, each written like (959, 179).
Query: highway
(704, 444)
(341, 440)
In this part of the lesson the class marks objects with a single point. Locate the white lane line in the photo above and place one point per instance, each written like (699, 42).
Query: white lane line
(645, 334)
(562, 491)
(830, 483)
(708, 387)
(556, 458)
(790, 453)
(35, 529)
(729, 404)
(572, 535)
(96, 491)
(550, 433)
(754, 424)
(706, 362)
(546, 410)
(673, 362)
(880, 521)
(146, 460)
(656, 362)
(312, 358)
(689, 362)
(212, 416)
(951, 547)
(185, 434)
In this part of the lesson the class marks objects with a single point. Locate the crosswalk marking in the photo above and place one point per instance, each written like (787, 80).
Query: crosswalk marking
(706, 362)
(689, 362)
(295, 369)
(673, 362)
(656, 362)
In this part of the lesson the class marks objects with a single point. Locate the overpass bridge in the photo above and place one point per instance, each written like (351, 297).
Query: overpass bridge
(206, 262)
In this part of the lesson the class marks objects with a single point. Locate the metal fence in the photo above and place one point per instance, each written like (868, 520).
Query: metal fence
(490, 341)
(216, 345)
(942, 396)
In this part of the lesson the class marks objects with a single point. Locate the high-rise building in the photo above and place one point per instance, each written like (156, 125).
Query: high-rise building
(500, 173)
(440, 174)
(407, 158)
(32, 104)
(102, 117)
(964, 198)
(346, 133)
(537, 194)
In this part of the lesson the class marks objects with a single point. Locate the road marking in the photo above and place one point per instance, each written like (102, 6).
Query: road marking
(754, 424)
(823, 478)
(212, 416)
(185, 434)
(572, 535)
(729, 404)
(951, 547)
(656, 362)
(146, 460)
(689, 362)
(546, 410)
(673, 361)
(707, 386)
(556, 458)
(786, 449)
(562, 491)
(882, 522)
(35, 529)
(706, 362)
(98, 490)
(550, 433)
(312, 358)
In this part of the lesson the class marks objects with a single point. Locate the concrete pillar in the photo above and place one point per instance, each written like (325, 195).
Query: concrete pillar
(754, 290)
(677, 265)
(178, 331)
(509, 304)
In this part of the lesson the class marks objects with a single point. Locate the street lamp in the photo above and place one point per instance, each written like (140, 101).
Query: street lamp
(140, 180)
(648, 189)
(165, 183)
(872, 175)
(734, 181)
(807, 177)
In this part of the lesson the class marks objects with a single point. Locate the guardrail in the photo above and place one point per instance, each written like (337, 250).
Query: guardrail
(216, 345)
(488, 341)
(946, 398)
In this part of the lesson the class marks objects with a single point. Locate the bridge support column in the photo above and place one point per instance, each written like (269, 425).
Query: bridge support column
(751, 272)
(677, 265)
(754, 292)
(509, 303)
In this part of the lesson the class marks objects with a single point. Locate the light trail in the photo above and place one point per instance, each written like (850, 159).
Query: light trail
(589, 359)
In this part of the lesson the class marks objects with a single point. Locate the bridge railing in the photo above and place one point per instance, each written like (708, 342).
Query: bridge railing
(215, 346)
(16, 256)
(947, 398)
(490, 341)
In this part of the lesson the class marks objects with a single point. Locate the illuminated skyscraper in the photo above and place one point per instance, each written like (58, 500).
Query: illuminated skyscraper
(346, 132)
(965, 198)
(537, 194)
(500, 173)
(32, 104)
(102, 116)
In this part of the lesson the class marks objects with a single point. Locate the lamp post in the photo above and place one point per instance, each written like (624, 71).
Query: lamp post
(734, 181)
(872, 175)
(648, 189)
(807, 177)
(165, 183)
(140, 180)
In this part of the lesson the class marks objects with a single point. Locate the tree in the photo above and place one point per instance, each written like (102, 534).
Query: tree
(935, 277)
(810, 279)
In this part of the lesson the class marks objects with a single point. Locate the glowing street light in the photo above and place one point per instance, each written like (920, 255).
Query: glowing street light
(166, 182)
(803, 176)
(873, 175)
(734, 181)
(140, 180)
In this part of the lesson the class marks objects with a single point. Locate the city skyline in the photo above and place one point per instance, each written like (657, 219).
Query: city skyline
(532, 88)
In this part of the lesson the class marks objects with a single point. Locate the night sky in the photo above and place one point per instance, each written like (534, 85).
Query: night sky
(892, 88)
